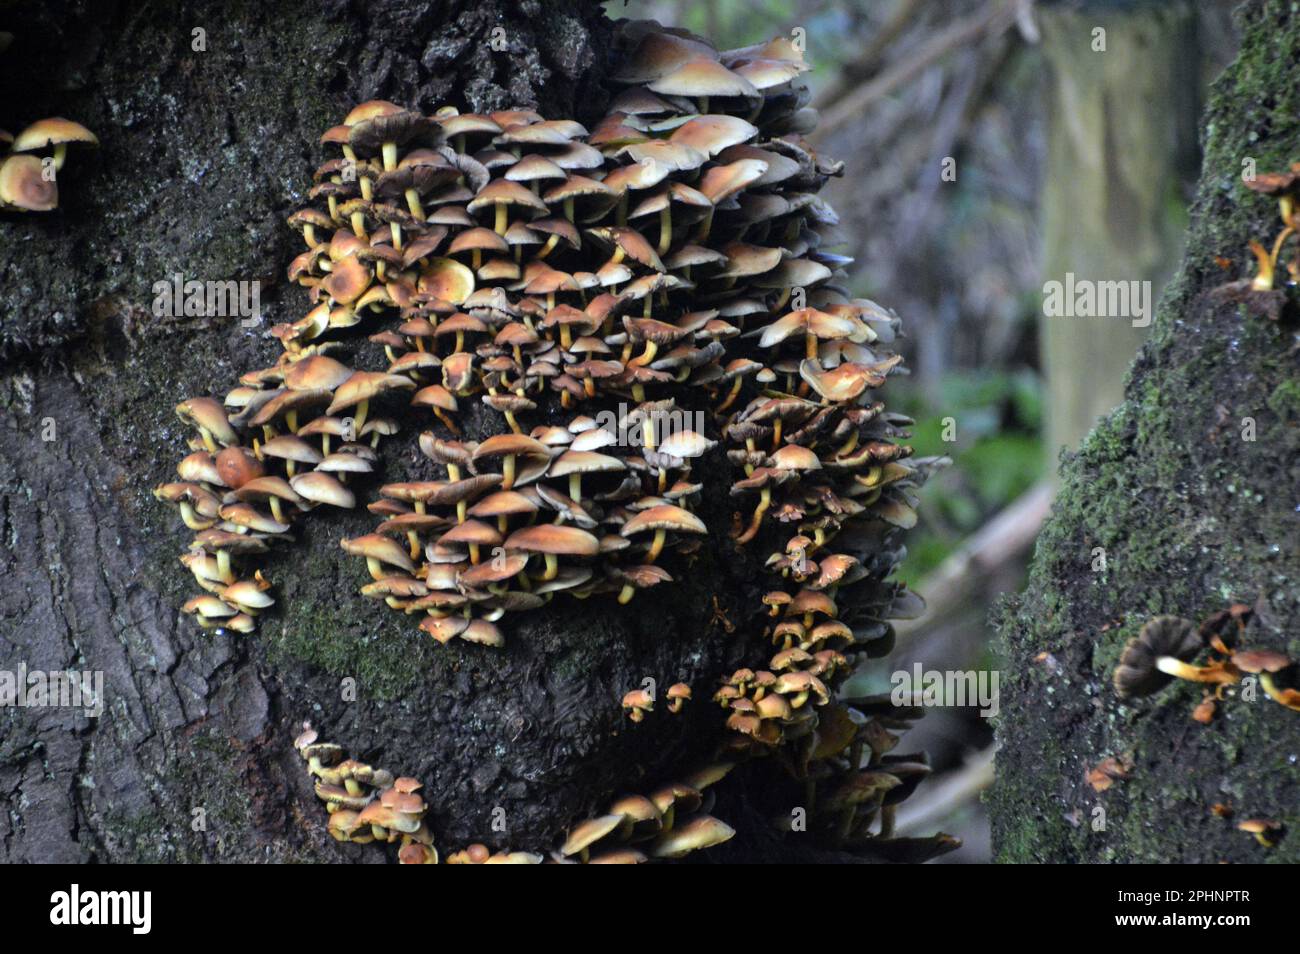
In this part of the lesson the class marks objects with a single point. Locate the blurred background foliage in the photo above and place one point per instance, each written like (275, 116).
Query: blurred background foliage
(1042, 131)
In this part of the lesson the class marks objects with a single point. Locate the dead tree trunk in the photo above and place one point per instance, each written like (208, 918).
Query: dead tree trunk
(1181, 502)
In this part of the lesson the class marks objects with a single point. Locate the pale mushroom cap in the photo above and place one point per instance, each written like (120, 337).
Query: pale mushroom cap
(702, 831)
(364, 385)
(378, 547)
(23, 186)
(322, 488)
(52, 131)
(587, 833)
(664, 517)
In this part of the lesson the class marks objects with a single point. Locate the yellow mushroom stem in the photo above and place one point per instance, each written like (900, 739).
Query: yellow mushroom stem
(552, 566)
(657, 546)
(375, 567)
(208, 440)
(325, 444)
(413, 542)
(1216, 672)
(1263, 280)
(730, 399)
(276, 510)
(359, 225)
(397, 243)
(705, 225)
(638, 392)
(367, 188)
(413, 203)
(224, 569)
(192, 519)
(776, 434)
(508, 472)
(475, 555)
(334, 207)
(648, 355)
(665, 229)
(362, 410)
(626, 593)
(447, 422)
(810, 346)
(785, 297)
(1286, 697)
(575, 486)
(500, 223)
(764, 502)
(648, 436)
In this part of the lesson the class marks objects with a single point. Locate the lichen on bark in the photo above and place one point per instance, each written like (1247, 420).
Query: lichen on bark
(1192, 515)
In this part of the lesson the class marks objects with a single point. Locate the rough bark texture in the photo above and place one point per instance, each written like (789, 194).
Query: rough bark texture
(1191, 518)
(203, 156)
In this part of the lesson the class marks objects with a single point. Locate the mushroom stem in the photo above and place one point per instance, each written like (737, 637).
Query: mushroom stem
(1288, 698)
(276, 510)
(375, 567)
(665, 229)
(390, 156)
(552, 566)
(626, 593)
(362, 410)
(1173, 666)
(500, 224)
(575, 486)
(731, 395)
(413, 203)
(657, 546)
(223, 567)
(60, 154)
(508, 472)
(646, 356)
(764, 502)
(413, 539)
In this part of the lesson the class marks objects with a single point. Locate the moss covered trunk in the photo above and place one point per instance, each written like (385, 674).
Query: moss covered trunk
(204, 154)
(1183, 501)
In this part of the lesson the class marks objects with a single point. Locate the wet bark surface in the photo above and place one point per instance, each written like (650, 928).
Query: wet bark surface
(203, 155)
(1188, 490)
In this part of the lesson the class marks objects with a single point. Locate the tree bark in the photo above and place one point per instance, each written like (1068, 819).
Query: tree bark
(203, 155)
(1192, 511)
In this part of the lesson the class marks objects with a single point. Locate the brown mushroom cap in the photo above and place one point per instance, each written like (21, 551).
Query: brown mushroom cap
(1136, 674)
(553, 539)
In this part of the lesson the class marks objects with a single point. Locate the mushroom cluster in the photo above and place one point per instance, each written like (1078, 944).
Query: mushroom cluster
(1285, 188)
(597, 329)
(597, 278)
(27, 182)
(367, 804)
(1165, 646)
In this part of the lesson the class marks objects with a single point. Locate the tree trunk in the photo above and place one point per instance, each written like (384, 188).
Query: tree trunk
(1188, 492)
(1121, 150)
(204, 153)
(203, 156)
